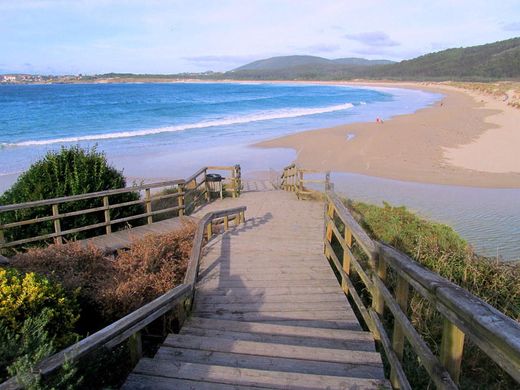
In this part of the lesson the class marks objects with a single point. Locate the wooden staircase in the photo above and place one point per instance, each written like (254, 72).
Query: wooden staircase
(269, 312)
(221, 354)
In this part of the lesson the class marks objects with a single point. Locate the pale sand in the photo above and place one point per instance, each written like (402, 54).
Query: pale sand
(469, 140)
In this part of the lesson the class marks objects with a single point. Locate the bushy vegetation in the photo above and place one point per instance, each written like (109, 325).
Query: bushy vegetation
(45, 289)
(70, 171)
(107, 290)
(37, 316)
(507, 91)
(442, 250)
(27, 295)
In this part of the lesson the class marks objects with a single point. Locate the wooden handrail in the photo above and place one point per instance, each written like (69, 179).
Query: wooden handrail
(292, 179)
(182, 206)
(130, 325)
(90, 195)
(465, 315)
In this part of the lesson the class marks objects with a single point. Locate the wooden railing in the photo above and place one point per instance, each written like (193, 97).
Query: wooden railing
(293, 180)
(464, 315)
(189, 192)
(177, 301)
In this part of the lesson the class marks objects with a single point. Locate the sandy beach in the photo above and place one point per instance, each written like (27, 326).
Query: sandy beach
(467, 138)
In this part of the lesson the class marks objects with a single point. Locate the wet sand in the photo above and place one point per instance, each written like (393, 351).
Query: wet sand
(465, 139)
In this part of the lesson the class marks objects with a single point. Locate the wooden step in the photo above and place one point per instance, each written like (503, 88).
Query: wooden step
(204, 284)
(216, 299)
(323, 277)
(324, 316)
(281, 307)
(266, 328)
(252, 377)
(263, 291)
(272, 349)
(361, 344)
(358, 369)
(146, 382)
(267, 273)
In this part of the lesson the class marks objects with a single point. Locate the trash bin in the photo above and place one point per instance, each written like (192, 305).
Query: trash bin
(214, 181)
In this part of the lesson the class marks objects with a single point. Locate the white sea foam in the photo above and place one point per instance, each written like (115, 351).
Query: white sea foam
(261, 116)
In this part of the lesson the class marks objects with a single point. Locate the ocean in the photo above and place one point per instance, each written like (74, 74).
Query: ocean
(160, 131)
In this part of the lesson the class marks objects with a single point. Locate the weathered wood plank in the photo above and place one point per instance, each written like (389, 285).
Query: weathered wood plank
(261, 307)
(251, 377)
(205, 284)
(267, 328)
(356, 344)
(146, 382)
(263, 291)
(296, 298)
(359, 369)
(271, 349)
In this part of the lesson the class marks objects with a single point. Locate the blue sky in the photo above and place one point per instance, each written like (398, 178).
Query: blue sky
(154, 36)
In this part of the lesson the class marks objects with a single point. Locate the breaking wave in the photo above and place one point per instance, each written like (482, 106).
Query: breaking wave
(234, 120)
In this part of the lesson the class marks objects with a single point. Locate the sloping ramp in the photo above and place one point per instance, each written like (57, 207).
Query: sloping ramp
(269, 312)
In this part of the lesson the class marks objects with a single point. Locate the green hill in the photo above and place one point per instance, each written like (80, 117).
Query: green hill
(499, 60)
(302, 67)
(491, 61)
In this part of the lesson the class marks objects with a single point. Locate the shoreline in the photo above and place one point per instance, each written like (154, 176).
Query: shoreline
(465, 139)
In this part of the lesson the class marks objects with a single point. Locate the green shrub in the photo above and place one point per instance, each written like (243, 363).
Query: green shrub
(26, 295)
(71, 171)
(36, 319)
(21, 351)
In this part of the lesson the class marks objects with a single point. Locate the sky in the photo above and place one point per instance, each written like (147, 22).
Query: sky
(159, 36)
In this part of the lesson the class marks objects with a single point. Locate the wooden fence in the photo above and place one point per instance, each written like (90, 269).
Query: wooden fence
(188, 192)
(177, 302)
(293, 180)
(464, 314)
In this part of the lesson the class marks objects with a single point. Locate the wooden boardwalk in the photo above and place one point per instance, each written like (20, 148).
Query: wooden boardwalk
(269, 312)
(124, 238)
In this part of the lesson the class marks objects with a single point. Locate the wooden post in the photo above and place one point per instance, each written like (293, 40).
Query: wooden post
(327, 181)
(206, 186)
(108, 226)
(2, 238)
(346, 257)
(148, 199)
(300, 184)
(226, 222)
(180, 199)
(209, 230)
(57, 224)
(238, 179)
(401, 296)
(378, 302)
(328, 230)
(242, 217)
(452, 346)
(234, 181)
(135, 346)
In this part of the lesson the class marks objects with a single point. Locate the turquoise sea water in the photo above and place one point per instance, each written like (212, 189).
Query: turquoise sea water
(189, 120)
(160, 131)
